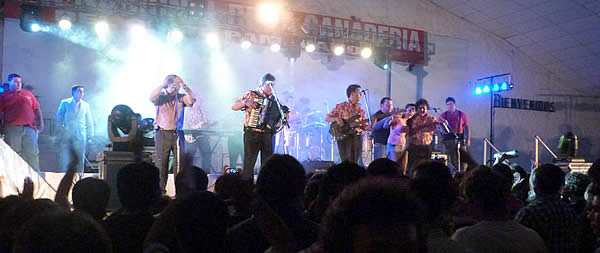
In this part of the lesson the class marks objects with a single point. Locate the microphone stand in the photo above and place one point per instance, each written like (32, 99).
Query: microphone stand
(372, 141)
(178, 147)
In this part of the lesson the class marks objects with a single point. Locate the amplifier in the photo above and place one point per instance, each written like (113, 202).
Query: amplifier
(109, 165)
(312, 166)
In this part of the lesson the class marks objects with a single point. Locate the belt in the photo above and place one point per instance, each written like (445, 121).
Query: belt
(170, 131)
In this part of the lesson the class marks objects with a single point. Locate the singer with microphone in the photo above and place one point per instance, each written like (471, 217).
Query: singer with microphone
(170, 106)
(351, 120)
(421, 128)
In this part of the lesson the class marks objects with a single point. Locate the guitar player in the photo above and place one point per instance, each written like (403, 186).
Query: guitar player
(350, 147)
(459, 125)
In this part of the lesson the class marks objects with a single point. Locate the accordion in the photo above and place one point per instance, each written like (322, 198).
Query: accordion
(265, 115)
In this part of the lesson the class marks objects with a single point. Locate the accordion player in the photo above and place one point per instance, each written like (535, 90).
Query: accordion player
(266, 115)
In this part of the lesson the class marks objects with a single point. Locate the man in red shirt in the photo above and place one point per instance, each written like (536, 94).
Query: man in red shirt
(459, 125)
(350, 146)
(23, 121)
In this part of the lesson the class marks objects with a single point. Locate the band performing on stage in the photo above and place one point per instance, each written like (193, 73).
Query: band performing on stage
(406, 135)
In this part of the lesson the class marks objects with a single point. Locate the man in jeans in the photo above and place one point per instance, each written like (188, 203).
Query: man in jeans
(23, 121)
(381, 132)
(169, 120)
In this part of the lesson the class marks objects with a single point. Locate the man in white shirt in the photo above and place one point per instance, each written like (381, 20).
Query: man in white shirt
(487, 193)
(74, 125)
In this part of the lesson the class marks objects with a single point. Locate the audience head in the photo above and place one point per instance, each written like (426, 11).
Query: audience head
(62, 233)
(312, 188)
(485, 189)
(504, 170)
(91, 195)
(138, 186)
(434, 185)
(201, 222)
(191, 179)
(575, 185)
(281, 181)
(547, 179)
(594, 172)
(235, 191)
(384, 167)
(373, 215)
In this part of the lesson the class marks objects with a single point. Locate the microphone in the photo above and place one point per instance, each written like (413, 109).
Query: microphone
(363, 91)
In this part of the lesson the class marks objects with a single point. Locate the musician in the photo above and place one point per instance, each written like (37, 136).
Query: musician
(458, 123)
(74, 126)
(396, 142)
(350, 147)
(420, 130)
(380, 133)
(170, 106)
(198, 146)
(258, 137)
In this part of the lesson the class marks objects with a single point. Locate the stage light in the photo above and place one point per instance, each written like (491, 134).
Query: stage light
(196, 7)
(275, 47)
(64, 23)
(246, 44)
(496, 87)
(486, 89)
(137, 30)
(269, 13)
(478, 91)
(212, 39)
(292, 59)
(35, 27)
(338, 50)
(382, 57)
(175, 36)
(386, 66)
(366, 52)
(31, 18)
(101, 29)
(310, 48)
(504, 86)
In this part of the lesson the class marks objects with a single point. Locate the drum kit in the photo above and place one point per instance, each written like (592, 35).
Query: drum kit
(307, 138)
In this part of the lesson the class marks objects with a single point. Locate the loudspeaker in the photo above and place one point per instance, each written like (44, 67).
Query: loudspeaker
(311, 166)
(109, 165)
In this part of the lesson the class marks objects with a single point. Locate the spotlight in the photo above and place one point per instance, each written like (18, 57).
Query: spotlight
(504, 86)
(382, 57)
(246, 44)
(275, 47)
(310, 48)
(101, 29)
(338, 50)
(478, 91)
(30, 18)
(366, 52)
(175, 36)
(45, 28)
(269, 13)
(212, 39)
(486, 89)
(137, 30)
(386, 66)
(293, 51)
(35, 27)
(292, 59)
(64, 23)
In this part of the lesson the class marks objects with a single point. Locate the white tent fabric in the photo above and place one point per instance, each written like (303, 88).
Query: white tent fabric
(14, 170)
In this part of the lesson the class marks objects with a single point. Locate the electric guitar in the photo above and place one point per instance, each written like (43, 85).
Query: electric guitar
(349, 128)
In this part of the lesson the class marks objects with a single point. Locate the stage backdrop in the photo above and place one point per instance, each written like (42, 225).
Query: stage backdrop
(125, 69)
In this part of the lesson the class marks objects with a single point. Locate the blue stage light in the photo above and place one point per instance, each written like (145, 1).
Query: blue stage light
(496, 87)
(478, 91)
(486, 89)
(35, 27)
(385, 66)
(504, 86)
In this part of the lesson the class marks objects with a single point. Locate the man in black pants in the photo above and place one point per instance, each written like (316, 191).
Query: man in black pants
(350, 147)
(258, 137)
(169, 120)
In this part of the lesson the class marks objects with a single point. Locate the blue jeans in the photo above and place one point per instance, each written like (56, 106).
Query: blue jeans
(79, 146)
(379, 150)
(24, 141)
